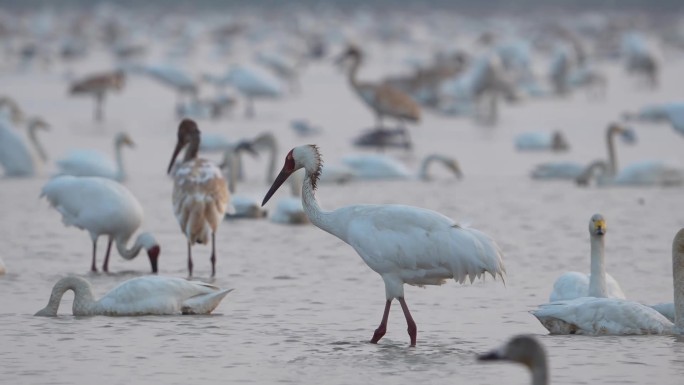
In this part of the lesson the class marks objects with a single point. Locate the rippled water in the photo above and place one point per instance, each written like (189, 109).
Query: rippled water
(305, 304)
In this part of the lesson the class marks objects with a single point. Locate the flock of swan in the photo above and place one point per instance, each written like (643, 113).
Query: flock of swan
(404, 245)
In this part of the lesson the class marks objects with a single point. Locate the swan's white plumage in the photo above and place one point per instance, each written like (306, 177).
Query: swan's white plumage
(557, 170)
(599, 316)
(245, 207)
(373, 166)
(87, 162)
(15, 156)
(289, 210)
(649, 173)
(149, 295)
(573, 285)
(98, 205)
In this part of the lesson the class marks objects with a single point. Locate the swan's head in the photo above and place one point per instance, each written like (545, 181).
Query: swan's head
(37, 123)
(597, 225)
(352, 52)
(522, 349)
(188, 132)
(627, 134)
(150, 244)
(123, 139)
(558, 142)
(306, 157)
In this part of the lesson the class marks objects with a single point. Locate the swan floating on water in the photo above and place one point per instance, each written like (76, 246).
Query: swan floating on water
(573, 285)
(86, 162)
(15, 155)
(540, 141)
(149, 295)
(525, 350)
(375, 166)
(573, 170)
(614, 316)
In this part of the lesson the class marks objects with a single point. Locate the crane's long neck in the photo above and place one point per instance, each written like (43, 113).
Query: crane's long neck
(120, 169)
(36, 143)
(321, 219)
(678, 280)
(128, 253)
(192, 150)
(83, 296)
(597, 280)
(612, 158)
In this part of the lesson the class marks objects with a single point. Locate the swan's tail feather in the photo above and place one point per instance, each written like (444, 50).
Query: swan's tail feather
(205, 303)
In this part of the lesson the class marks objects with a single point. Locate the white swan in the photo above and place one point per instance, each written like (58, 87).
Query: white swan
(525, 350)
(243, 206)
(149, 295)
(540, 141)
(572, 170)
(375, 166)
(672, 113)
(15, 155)
(614, 316)
(94, 163)
(573, 285)
(102, 207)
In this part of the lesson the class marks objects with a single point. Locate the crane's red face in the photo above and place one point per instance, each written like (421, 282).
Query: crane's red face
(288, 169)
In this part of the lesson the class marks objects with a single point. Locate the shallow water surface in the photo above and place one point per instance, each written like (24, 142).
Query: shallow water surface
(305, 304)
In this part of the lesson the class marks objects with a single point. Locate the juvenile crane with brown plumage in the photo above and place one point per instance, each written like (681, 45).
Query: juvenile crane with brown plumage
(382, 98)
(200, 193)
(98, 85)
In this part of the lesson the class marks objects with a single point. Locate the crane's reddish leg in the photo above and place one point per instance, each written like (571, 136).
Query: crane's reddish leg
(105, 265)
(213, 256)
(412, 328)
(189, 260)
(93, 268)
(380, 331)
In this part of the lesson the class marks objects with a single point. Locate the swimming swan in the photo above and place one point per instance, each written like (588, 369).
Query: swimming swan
(572, 170)
(149, 295)
(524, 350)
(573, 285)
(614, 316)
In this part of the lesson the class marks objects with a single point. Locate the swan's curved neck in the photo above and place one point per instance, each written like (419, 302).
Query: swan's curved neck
(36, 143)
(540, 373)
(120, 170)
(83, 296)
(597, 280)
(425, 165)
(612, 157)
(321, 219)
(678, 280)
(128, 253)
(353, 71)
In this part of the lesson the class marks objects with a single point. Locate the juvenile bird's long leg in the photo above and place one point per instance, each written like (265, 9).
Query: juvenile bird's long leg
(189, 260)
(93, 268)
(213, 256)
(105, 265)
(412, 328)
(380, 331)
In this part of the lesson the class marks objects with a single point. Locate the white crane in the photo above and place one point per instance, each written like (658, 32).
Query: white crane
(86, 162)
(615, 316)
(102, 207)
(149, 295)
(525, 350)
(15, 156)
(200, 193)
(573, 284)
(403, 244)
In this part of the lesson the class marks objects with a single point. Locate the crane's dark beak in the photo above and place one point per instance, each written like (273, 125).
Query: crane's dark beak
(282, 177)
(179, 147)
